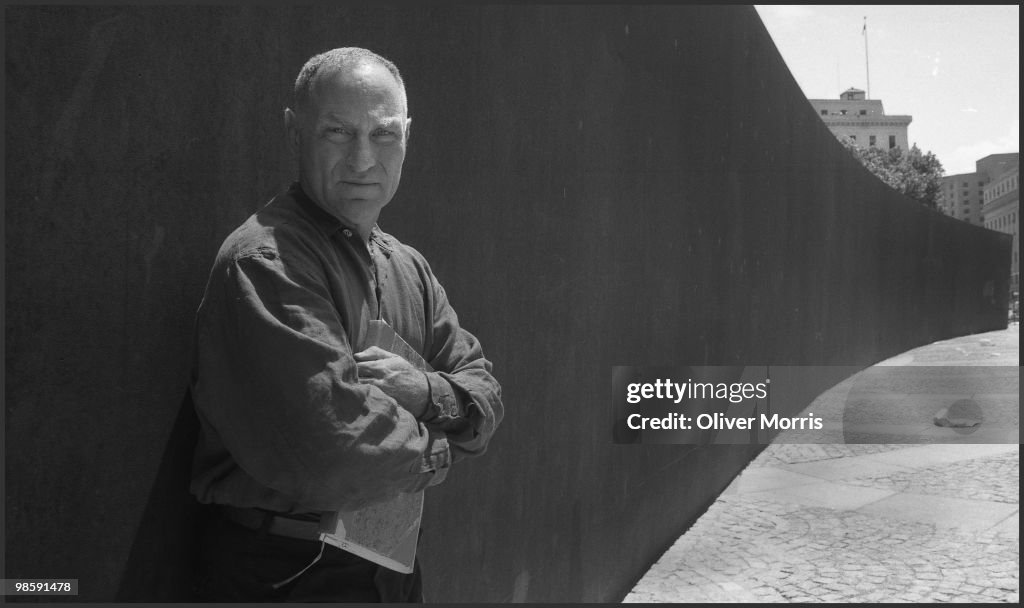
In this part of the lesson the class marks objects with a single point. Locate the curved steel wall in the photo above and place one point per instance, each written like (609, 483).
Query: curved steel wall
(595, 186)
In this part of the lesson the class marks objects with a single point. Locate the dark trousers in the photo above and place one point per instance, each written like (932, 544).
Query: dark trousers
(237, 564)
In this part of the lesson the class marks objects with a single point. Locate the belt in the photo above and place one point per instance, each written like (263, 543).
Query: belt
(279, 524)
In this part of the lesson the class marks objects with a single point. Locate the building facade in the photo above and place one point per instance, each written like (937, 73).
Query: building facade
(994, 166)
(863, 120)
(962, 196)
(1001, 211)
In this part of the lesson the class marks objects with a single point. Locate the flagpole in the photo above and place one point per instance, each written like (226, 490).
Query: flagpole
(867, 65)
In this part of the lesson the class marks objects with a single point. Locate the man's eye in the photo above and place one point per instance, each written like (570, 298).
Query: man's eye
(385, 134)
(339, 133)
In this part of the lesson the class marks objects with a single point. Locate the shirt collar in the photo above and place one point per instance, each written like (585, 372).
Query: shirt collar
(332, 224)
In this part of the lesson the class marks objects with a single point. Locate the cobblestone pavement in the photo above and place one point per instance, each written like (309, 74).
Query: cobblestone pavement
(829, 522)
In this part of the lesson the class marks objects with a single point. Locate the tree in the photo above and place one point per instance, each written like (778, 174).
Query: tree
(914, 174)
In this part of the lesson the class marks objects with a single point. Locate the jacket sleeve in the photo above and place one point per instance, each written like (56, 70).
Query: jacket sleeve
(277, 380)
(467, 397)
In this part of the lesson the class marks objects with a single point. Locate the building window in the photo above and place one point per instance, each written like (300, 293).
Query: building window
(853, 137)
(892, 141)
(843, 112)
(863, 112)
(824, 112)
(871, 140)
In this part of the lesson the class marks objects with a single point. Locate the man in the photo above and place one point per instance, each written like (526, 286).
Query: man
(297, 418)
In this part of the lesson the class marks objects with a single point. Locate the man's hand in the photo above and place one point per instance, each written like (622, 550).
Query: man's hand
(396, 377)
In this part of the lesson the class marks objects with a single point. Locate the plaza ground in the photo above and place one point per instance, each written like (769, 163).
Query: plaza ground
(931, 518)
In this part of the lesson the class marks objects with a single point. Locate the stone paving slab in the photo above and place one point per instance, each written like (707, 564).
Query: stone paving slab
(938, 454)
(845, 468)
(1009, 526)
(977, 515)
(825, 494)
(759, 479)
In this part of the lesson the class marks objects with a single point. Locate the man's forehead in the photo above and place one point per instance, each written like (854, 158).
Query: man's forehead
(349, 114)
(367, 82)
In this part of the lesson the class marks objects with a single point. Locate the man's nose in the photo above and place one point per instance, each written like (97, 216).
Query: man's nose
(361, 155)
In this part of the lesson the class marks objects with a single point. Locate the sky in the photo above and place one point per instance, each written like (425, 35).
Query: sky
(953, 68)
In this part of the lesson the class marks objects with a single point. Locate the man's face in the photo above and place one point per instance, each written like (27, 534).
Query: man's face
(351, 142)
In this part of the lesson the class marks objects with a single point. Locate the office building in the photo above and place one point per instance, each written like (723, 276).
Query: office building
(1001, 209)
(962, 195)
(863, 120)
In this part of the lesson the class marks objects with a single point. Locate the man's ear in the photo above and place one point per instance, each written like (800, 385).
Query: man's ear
(291, 125)
(408, 128)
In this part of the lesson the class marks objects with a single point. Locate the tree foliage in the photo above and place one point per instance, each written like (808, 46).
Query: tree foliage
(912, 173)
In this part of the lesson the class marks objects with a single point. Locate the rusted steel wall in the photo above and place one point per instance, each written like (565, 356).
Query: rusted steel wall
(594, 185)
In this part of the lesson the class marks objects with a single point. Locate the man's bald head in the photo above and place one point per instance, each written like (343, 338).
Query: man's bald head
(345, 58)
